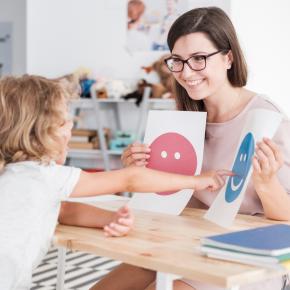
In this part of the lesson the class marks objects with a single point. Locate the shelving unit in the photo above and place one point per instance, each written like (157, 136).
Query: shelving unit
(96, 105)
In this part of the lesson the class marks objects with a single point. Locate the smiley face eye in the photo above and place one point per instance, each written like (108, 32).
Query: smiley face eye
(241, 157)
(177, 155)
(163, 154)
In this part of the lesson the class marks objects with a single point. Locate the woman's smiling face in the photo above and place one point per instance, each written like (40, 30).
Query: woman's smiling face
(207, 82)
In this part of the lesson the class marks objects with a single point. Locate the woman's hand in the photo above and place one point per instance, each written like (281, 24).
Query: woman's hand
(266, 163)
(212, 180)
(121, 223)
(135, 154)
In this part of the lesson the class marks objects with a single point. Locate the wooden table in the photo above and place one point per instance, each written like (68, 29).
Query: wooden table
(168, 245)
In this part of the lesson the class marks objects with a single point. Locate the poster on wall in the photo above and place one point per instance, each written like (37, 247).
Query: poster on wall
(259, 123)
(149, 21)
(177, 145)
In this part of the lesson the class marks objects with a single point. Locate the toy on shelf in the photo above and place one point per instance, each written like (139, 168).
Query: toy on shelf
(138, 93)
(122, 140)
(163, 89)
(79, 82)
(109, 88)
(85, 80)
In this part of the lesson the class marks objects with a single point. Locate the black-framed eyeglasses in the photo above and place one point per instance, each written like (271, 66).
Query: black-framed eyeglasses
(195, 62)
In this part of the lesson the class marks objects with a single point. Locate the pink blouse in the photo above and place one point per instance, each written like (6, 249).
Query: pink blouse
(220, 146)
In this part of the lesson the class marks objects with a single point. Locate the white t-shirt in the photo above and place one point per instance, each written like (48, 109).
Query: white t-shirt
(30, 196)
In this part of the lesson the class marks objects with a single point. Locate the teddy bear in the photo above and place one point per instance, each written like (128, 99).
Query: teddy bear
(165, 88)
(162, 89)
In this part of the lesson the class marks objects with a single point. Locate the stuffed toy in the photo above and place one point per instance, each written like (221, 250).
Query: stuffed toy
(78, 82)
(165, 88)
(86, 81)
(138, 93)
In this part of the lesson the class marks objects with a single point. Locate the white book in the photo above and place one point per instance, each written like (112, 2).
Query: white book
(251, 259)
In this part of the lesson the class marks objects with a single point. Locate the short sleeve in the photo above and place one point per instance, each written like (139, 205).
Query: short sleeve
(63, 179)
(282, 139)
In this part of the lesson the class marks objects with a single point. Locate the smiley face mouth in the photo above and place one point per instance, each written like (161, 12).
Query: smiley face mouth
(235, 187)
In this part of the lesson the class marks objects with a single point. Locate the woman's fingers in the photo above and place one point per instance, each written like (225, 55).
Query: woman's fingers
(263, 160)
(137, 159)
(135, 154)
(276, 150)
(256, 165)
(268, 152)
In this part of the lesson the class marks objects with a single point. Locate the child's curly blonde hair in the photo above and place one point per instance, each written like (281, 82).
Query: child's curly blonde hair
(30, 117)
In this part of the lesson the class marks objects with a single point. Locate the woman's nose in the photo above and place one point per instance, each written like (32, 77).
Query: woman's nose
(187, 71)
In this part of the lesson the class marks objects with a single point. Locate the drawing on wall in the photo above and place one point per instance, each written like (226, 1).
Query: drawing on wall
(148, 23)
(260, 123)
(176, 147)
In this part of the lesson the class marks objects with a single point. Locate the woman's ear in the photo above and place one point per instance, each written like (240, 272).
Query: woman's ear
(230, 59)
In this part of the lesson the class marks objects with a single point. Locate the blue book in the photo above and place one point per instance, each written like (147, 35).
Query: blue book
(273, 240)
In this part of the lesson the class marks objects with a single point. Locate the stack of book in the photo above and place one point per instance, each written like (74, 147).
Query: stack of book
(84, 139)
(267, 246)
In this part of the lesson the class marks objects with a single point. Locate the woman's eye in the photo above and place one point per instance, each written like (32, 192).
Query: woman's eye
(176, 61)
(198, 58)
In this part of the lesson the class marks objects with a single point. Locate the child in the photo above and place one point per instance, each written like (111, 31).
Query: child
(34, 133)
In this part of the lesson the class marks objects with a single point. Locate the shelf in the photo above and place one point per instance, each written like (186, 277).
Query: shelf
(89, 153)
(96, 106)
(88, 103)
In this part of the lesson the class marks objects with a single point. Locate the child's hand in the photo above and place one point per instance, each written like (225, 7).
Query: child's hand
(121, 223)
(267, 162)
(212, 180)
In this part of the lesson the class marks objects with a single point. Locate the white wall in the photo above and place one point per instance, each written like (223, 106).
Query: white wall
(264, 31)
(66, 34)
(15, 11)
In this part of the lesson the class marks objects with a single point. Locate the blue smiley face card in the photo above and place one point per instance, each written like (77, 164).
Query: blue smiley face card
(259, 123)
(241, 168)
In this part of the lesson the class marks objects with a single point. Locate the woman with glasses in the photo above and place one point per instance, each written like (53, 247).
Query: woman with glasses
(211, 73)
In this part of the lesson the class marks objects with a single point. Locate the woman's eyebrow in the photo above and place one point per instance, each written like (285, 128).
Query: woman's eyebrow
(192, 54)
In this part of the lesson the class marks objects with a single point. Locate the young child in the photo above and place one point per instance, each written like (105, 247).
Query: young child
(34, 131)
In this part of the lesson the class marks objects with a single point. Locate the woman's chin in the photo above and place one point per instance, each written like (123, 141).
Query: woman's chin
(196, 96)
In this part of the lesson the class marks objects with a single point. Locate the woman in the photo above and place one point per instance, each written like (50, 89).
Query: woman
(210, 72)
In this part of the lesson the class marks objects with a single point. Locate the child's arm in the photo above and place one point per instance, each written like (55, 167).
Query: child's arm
(142, 179)
(79, 214)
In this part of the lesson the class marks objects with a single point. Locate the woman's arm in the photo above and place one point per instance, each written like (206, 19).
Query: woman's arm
(142, 179)
(274, 198)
